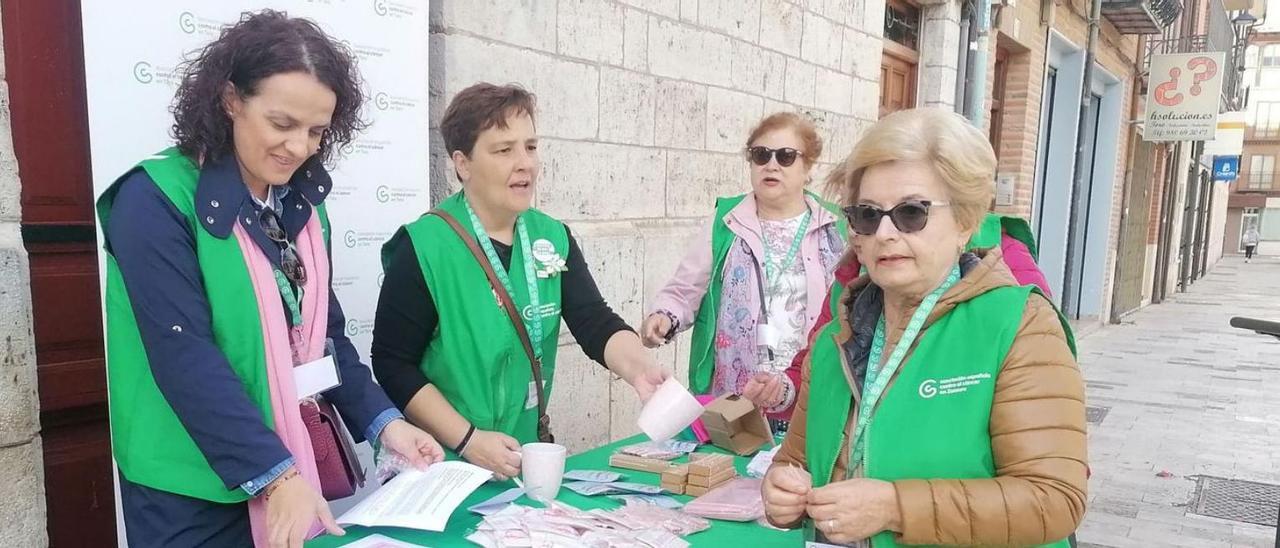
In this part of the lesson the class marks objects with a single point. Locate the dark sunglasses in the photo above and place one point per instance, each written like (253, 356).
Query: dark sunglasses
(910, 216)
(290, 264)
(761, 155)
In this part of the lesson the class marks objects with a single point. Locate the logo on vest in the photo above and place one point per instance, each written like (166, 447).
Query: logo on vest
(550, 262)
(951, 385)
(545, 311)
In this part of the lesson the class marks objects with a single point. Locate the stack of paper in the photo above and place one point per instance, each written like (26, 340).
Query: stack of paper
(636, 525)
(418, 499)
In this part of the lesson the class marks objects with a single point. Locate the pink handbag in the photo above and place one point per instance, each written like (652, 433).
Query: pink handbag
(336, 460)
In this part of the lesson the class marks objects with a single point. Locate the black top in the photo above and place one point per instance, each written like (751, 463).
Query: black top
(406, 318)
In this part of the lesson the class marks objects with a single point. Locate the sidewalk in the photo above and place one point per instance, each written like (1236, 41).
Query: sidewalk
(1185, 395)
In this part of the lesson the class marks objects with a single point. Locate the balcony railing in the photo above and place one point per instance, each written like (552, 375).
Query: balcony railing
(1141, 16)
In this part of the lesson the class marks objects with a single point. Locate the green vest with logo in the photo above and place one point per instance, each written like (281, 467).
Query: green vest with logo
(475, 357)
(148, 441)
(933, 420)
(994, 226)
(702, 355)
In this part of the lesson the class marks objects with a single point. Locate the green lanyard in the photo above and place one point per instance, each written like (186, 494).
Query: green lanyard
(771, 275)
(290, 297)
(534, 326)
(878, 377)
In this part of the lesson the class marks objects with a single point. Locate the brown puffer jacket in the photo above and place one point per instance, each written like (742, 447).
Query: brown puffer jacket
(1037, 435)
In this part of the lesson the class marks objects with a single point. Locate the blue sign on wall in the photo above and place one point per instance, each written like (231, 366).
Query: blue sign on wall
(1226, 168)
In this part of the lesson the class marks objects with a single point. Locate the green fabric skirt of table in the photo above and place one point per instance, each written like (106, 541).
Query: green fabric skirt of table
(463, 522)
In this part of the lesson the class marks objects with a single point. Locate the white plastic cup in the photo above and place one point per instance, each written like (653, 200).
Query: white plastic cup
(542, 468)
(671, 409)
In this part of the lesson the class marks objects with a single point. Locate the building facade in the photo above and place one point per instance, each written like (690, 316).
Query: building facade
(1255, 196)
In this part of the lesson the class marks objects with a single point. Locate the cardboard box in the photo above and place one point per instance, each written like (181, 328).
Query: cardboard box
(709, 464)
(678, 474)
(695, 491)
(712, 480)
(674, 488)
(632, 462)
(736, 425)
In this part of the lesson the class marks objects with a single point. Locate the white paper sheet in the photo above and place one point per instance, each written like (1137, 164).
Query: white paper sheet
(419, 500)
(379, 541)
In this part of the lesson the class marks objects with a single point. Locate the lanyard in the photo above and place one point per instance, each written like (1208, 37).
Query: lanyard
(878, 377)
(534, 326)
(290, 298)
(771, 274)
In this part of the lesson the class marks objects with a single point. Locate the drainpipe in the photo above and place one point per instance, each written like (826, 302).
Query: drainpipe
(1077, 185)
(977, 100)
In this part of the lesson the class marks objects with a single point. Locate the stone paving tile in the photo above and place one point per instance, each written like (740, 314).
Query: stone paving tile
(1188, 395)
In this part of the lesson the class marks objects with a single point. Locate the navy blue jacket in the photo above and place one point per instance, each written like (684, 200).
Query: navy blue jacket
(154, 247)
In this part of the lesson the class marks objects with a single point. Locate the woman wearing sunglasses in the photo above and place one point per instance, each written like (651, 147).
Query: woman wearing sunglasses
(219, 303)
(943, 405)
(752, 284)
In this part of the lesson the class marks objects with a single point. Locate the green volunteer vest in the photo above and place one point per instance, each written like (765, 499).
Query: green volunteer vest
(702, 355)
(148, 441)
(933, 421)
(994, 226)
(475, 357)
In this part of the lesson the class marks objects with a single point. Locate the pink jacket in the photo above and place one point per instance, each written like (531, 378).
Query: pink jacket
(683, 293)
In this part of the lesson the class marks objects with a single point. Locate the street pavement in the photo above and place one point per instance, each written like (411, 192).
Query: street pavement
(1185, 396)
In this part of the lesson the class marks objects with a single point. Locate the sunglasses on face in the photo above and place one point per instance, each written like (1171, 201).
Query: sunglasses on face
(910, 216)
(290, 264)
(761, 155)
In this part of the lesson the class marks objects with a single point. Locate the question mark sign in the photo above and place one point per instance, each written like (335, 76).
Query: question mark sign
(1210, 69)
(1167, 93)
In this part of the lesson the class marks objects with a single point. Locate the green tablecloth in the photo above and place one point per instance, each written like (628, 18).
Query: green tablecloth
(462, 522)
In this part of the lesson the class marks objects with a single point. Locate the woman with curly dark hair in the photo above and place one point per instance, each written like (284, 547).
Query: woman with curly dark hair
(223, 329)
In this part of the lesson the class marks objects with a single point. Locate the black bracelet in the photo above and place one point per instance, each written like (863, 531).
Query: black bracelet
(463, 444)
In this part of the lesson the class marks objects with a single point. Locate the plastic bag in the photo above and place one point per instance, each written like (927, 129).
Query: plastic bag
(738, 500)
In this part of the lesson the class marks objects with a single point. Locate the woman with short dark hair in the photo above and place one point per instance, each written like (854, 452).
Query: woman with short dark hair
(219, 299)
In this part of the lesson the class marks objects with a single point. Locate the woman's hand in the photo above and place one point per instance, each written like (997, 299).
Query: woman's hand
(853, 510)
(653, 332)
(764, 390)
(494, 451)
(785, 492)
(292, 506)
(647, 380)
(416, 446)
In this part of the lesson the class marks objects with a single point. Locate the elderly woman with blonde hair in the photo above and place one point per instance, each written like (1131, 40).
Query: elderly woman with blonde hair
(943, 403)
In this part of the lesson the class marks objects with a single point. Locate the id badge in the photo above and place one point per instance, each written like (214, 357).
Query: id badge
(768, 335)
(316, 376)
(531, 400)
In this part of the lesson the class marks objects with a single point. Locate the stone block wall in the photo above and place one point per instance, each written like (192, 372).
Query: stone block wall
(644, 109)
(22, 508)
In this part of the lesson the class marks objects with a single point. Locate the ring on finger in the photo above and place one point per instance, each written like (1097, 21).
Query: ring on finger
(831, 524)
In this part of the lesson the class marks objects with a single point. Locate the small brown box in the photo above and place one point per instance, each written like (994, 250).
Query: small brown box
(695, 491)
(736, 425)
(674, 488)
(712, 480)
(632, 462)
(709, 464)
(677, 474)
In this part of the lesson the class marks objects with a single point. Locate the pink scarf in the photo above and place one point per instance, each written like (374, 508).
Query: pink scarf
(285, 347)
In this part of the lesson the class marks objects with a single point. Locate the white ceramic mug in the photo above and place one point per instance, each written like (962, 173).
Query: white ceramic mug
(542, 468)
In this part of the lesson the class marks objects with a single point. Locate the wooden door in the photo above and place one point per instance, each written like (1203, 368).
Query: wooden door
(901, 57)
(44, 67)
(897, 79)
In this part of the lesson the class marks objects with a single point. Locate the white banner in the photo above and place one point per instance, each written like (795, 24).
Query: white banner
(1183, 96)
(132, 52)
